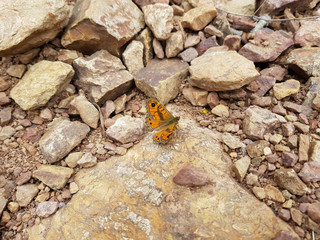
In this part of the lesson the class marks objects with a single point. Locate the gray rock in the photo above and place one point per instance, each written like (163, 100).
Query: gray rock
(102, 76)
(61, 138)
(126, 129)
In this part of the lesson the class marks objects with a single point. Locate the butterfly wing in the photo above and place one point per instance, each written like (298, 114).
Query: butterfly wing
(165, 133)
(158, 115)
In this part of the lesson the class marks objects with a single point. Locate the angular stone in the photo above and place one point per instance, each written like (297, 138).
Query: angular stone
(3, 203)
(6, 132)
(310, 172)
(233, 42)
(213, 31)
(142, 3)
(303, 128)
(174, 44)
(144, 197)
(120, 103)
(259, 192)
(191, 40)
(23, 178)
(308, 34)
(219, 70)
(126, 129)
(285, 89)
(240, 167)
(17, 70)
(102, 76)
(42, 81)
(161, 79)
(256, 149)
(316, 102)
(204, 45)
(232, 141)
(213, 99)
(314, 211)
(4, 99)
(297, 216)
(28, 56)
(68, 56)
(133, 57)
(289, 159)
(288, 129)
(61, 138)
(221, 110)
(146, 38)
(159, 18)
(197, 18)
(26, 193)
(102, 24)
(157, 47)
(88, 113)
(4, 85)
(87, 160)
(73, 158)
(189, 54)
(235, 6)
(314, 151)
(5, 116)
(267, 45)
(259, 121)
(53, 176)
(314, 88)
(196, 96)
(29, 24)
(305, 61)
(274, 193)
(289, 180)
(285, 235)
(276, 72)
(273, 7)
(262, 101)
(284, 214)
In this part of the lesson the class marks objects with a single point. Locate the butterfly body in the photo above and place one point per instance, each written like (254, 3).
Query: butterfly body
(162, 120)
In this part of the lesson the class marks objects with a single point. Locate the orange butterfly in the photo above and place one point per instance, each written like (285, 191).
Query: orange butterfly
(159, 118)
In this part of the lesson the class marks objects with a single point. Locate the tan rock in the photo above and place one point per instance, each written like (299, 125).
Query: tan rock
(316, 102)
(274, 193)
(240, 7)
(314, 151)
(159, 18)
(137, 194)
(42, 81)
(161, 79)
(174, 44)
(133, 57)
(28, 56)
(219, 69)
(68, 56)
(197, 97)
(287, 88)
(221, 110)
(102, 76)
(102, 24)
(4, 85)
(25, 193)
(120, 103)
(17, 70)
(197, 18)
(88, 113)
(157, 47)
(240, 167)
(87, 160)
(259, 192)
(73, 158)
(29, 24)
(53, 176)
(73, 188)
(13, 207)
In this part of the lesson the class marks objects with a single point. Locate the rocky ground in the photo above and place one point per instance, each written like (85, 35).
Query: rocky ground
(257, 86)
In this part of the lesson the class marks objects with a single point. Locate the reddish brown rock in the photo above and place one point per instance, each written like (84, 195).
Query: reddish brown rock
(273, 7)
(189, 54)
(314, 211)
(157, 47)
(238, 94)
(4, 85)
(4, 99)
(142, 3)
(289, 159)
(206, 44)
(213, 99)
(213, 31)
(276, 72)
(241, 23)
(285, 235)
(310, 172)
(191, 177)
(267, 45)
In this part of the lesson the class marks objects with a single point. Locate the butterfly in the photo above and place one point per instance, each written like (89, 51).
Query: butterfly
(159, 118)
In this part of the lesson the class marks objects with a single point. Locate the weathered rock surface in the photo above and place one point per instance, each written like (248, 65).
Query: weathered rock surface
(29, 24)
(133, 57)
(198, 17)
(26, 193)
(314, 151)
(53, 176)
(145, 201)
(287, 88)
(88, 113)
(258, 121)
(159, 18)
(197, 97)
(240, 167)
(87, 160)
(61, 138)
(47, 208)
(232, 141)
(267, 46)
(274, 194)
(102, 24)
(310, 172)
(219, 69)
(42, 81)
(174, 44)
(288, 179)
(161, 79)
(305, 61)
(273, 6)
(102, 76)
(126, 129)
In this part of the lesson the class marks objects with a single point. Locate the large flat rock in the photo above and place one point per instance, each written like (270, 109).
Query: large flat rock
(219, 70)
(134, 196)
(27, 24)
